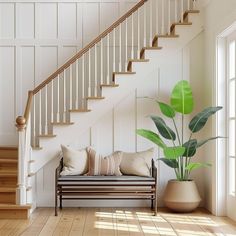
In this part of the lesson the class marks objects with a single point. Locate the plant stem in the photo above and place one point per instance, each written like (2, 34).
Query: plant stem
(182, 141)
(176, 131)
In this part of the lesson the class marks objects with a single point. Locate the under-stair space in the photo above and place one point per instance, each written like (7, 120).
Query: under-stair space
(8, 184)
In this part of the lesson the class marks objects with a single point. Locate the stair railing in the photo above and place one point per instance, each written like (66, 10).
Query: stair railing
(81, 77)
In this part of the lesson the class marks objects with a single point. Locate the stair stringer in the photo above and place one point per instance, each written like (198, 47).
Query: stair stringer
(185, 32)
(113, 95)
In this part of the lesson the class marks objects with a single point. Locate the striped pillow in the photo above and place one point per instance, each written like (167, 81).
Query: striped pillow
(99, 165)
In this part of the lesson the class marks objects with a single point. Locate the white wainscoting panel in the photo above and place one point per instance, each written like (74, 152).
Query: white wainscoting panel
(36, 37)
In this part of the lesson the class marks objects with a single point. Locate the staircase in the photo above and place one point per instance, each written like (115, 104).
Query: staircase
(8, 183)
(96, 78)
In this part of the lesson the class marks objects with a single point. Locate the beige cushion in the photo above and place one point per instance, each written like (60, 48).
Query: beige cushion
(75, 161)
(138, 163)
(99, 165)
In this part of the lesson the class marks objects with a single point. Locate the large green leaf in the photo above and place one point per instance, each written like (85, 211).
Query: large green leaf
(199, 121)
(202, 142)
(166, 109)
(190, 148)
(174, 152)
(163, 129)
(155, 138)
(182, 97)
(193, 166)
(169, 162)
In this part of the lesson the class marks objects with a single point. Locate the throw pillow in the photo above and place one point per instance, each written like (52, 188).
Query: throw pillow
(99, 165)
(138, 163)
(75, 161)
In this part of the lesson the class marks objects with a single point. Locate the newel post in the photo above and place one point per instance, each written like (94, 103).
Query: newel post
(21, 178)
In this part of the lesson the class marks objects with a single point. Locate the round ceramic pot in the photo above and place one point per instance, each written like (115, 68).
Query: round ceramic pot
(181, 196)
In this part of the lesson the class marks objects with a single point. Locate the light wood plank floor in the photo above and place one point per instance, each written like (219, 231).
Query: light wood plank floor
(118, 222)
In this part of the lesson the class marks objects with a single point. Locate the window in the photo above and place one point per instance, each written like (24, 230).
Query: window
(231, 115)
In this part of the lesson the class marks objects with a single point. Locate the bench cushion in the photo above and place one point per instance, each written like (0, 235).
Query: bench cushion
(105, 180)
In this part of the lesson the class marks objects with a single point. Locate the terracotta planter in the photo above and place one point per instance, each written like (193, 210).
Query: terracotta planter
(181, 196)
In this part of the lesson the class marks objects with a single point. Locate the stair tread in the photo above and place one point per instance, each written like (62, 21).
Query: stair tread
(192, 11)
(139, 60)
(79, 110)
(62, 123)
(8, 173)
(167, 35)
(46, 135)
(7, 190)
(124, 73)
(8, 160)
(182, 23)
(95, 98)
(151, 48)
(8, 148)
(109, 85)
(14, 206)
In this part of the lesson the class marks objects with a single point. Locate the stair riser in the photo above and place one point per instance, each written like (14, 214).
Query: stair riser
(8, 181)
(9, 198)
(14, 213)
(9, 154)
(8, 166)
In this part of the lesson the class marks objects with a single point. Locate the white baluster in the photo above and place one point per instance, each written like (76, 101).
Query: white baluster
(89, 73)
(145, 25)
(46, 109)
(34, 122)
(95, 71)
(132, 36)
(77, 84)
(40, 112)
(182, 11)
(126, 41)
(52, 105)
(83, 79)
(64, 92)
(176, 11)
(162, 17)
(102, 76)
(58, 98)
(114, 50)
(71, 91)
(169, 24)
(138, 34)
(108, 59)
(120, 47)
(189, 4)
(150, 15)
(157, 17)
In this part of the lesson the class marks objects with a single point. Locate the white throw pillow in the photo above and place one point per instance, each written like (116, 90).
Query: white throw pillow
(138, 163)
(75, 162)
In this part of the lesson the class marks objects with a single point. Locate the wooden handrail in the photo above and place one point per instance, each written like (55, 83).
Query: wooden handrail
(90, 45)
(78, 55)
(28, 105)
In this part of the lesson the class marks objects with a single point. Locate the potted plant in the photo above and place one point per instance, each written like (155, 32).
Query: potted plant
(181, 195)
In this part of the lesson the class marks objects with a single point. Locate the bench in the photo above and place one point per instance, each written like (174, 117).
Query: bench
(81, 187)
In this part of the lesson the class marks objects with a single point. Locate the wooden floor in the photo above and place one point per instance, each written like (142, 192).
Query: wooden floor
(117, 222)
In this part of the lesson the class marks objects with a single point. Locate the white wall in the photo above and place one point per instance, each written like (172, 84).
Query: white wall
(36, 37)
(116, 129)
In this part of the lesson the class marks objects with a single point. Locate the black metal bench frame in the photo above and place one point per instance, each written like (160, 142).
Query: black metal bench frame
(82, 188)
